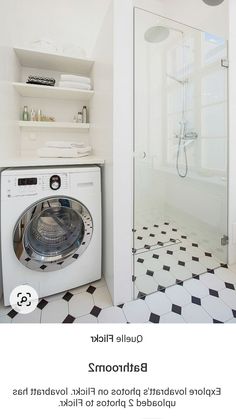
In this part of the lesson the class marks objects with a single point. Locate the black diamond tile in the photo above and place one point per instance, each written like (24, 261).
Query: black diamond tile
(181, 263)
(133, 278)
(210, 271)
(194, 244)
(166, 268)
(154, 318)
(151, 235)
(155, 256)
(133, 230)
(174, 229)
(195, 259)
(234, 313)
(27, 259)
(160, 243)
(217, 321)
(196, 300)
(176, 309)
(69, 319)
(141, 295)
(183, 237)
(12, 314)
(169, 252)
(120, 305)
(214, 293)
(195, 276)
(149, 273)
(230, 286)
(75, 256)
(172, 240)
(209, 255)
(166, 224)
(140, 260)
(179, 282)
(43, 303)
(224, 265)
(67, 296)
(95, 311)
(163, 232)
(145, 228)
(43, 267)
(156, 226)
(139, 238)
(162, 289)
(183, 249)
(147, 246)
(91, 289)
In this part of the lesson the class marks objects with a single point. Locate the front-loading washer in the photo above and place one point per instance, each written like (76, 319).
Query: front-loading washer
(50, 228)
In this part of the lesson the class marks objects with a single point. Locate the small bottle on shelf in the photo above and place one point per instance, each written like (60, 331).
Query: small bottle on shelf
(84, 115)
(39, 116)
(80, 118)
(32, 115)
(25, 114)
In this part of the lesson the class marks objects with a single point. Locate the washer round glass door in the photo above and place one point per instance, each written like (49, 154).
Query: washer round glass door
(52, 233)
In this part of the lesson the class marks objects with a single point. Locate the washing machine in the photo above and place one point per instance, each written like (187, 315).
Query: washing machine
(50, 228)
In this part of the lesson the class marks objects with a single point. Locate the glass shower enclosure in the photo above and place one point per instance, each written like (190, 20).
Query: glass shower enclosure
(180, 153)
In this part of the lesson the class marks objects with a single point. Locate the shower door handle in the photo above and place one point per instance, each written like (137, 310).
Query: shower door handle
(140, 155)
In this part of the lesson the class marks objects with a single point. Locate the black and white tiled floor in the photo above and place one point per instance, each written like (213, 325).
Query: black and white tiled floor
(207, 298)
(165, 256)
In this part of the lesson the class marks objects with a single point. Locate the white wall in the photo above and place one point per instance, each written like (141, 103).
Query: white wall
(232, 132)
(101, 114)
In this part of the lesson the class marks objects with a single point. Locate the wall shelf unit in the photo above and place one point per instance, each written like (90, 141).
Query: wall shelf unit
(52, 125)
(48, 92)
(52, 61)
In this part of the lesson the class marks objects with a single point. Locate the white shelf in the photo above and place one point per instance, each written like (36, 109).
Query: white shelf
(51, 61)
(36, 91)
(37, 162)
(52, 125)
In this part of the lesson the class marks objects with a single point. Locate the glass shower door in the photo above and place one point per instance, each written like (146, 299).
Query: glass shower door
(180, 149)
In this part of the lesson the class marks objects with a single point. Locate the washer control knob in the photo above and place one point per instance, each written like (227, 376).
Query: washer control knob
(55, 182)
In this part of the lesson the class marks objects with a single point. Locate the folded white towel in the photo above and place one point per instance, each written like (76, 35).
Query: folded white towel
(74, 85)
(53, 152)
(63, 144)
(71, 77)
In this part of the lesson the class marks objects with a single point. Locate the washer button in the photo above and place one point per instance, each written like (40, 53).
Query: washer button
(55, 182)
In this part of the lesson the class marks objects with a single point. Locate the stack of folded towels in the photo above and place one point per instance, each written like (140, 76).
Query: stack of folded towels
(64, 149)
(75, 82)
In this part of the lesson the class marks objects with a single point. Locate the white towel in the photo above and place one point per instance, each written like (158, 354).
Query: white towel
(64, 144)
(74, 85)
(53, 152)
(80, 79)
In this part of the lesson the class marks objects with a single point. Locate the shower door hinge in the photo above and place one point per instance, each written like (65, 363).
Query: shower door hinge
(225, 63)
(224, 240)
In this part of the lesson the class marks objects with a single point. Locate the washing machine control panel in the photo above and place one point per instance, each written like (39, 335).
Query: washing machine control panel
(37, 184)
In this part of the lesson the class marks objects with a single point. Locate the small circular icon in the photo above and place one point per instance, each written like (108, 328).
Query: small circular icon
(24, 299)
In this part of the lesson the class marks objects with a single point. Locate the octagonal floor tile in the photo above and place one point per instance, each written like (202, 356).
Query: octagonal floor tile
(178, 295)
(158, 303)
(229, 297)
(171, 318)
(216, 308)
(55, 312)
(196, 288)
(193, 313)
(112, 315)
(136, 311)
(81, 304)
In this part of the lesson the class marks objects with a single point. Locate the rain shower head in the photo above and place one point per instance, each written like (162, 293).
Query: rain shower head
(213, 2)
(157, 34)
